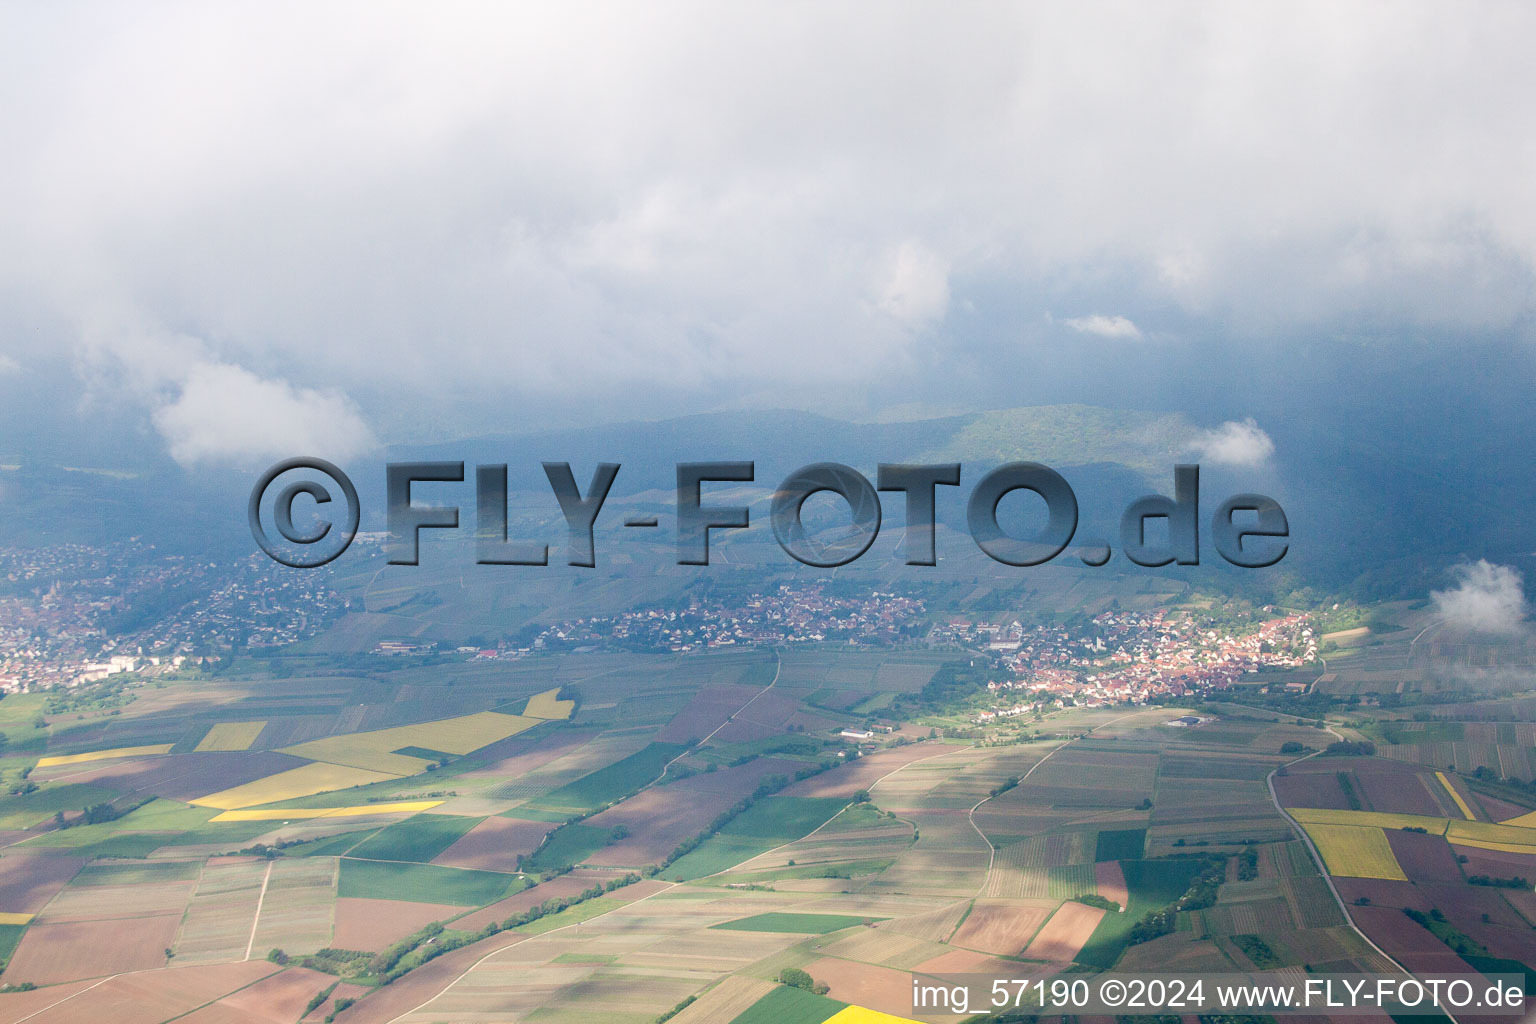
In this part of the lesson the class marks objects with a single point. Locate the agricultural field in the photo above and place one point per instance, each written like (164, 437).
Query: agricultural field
(516, 809)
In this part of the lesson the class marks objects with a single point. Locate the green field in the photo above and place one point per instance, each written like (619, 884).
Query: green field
(612, 782)
(1152, 885)
(534, 814)
(783, 819)
(134, 874)
(19, 812)
(716, 854)
(809, 924)
(583, 911)
(10, 936)
(423, 883)
(772, 821)
(419, 838)
(1120, 844)
(786, 1005)
(567, 845)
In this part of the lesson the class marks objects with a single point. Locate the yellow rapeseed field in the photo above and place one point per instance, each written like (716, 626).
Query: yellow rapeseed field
(860, 1015)
(1380, 819)
(1356, 851)
(104, 755)
(306, 780)
(306, 813)
(375, 751)
(544, 705)
(231, 736)
(1466, 812)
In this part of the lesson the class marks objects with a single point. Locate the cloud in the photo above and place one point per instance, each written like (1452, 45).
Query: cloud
(635, 204)
(1234, 444)
(1488, 598)
(917, 290)
(1117, 327)
(8, 365)
(226, 413)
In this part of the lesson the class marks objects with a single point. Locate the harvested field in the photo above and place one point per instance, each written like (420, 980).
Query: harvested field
(494, 844)
(1002, 926)
(291, 785)
(94, 902)
(726, 1001)
(1109, 882)
(231, 736)
(1019, 871)
(934, 925)
(147, 998)
(297, 909)
(1070, 880)
(888, 949)
(90, 949)
(370, 925)
(218, 923)
(1065, 933)
(965, 961)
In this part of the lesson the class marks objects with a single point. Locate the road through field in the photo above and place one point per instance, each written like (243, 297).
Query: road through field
(1322, 867)
(259, 901)
(971, 814)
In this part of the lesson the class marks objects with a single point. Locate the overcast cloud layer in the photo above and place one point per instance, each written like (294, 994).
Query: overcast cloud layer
(213, 211)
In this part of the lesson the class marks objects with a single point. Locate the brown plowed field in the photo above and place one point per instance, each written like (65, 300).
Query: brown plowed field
(1002, 926)
(1424, 858)
(91, 949)
(150, 997)
(1065, 933)
(493, 845)
(279, 999)
(29, 880)
(370, 925)
(1109, 881)
(865, 772)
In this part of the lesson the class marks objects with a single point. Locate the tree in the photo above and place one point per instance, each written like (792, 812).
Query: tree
(794, 977)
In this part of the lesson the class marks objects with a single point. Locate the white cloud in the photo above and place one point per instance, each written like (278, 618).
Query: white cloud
(520, 203)
(225, 413)
(917, 288)
(1117, 327)
(1488, 598)
(8, 365)
(1234, 444)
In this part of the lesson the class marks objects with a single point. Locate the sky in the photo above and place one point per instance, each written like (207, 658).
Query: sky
(230, 233)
